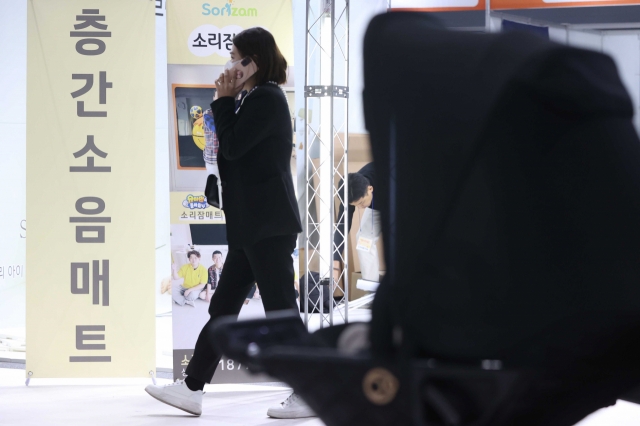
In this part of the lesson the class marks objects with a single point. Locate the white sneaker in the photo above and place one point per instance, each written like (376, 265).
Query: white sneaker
(178, 395)
(291, 408)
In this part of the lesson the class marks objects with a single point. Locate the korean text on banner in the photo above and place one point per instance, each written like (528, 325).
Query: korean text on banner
(202, 33)
(90, 188)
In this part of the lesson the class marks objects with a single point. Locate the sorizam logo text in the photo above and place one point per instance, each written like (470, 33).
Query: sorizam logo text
(228, 10)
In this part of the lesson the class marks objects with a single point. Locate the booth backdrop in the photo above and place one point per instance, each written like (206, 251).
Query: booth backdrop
(199, 41)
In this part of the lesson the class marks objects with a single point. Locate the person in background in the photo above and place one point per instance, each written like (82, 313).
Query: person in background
(360, 195)
(214, 273)
(261, 210)
(194, 278)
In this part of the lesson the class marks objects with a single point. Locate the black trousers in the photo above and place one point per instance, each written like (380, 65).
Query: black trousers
(269, 263)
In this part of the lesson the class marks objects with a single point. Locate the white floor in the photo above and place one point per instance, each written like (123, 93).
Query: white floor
(54, 402)
(124, 402)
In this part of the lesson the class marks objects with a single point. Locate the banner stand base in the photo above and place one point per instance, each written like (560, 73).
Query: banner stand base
(30, 373)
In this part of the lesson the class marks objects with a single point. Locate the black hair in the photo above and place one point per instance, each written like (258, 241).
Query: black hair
(358, 185)
(216, 252)
(196, 252)
(260, 45)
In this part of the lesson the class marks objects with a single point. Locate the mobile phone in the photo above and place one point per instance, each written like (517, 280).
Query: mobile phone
(244, 69)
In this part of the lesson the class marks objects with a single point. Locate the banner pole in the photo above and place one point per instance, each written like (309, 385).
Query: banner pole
(487, 15)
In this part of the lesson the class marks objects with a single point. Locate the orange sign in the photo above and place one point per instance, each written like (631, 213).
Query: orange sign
(436, 5)
(538, 4)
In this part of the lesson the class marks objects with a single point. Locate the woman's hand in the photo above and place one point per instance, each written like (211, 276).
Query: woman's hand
(226, 85)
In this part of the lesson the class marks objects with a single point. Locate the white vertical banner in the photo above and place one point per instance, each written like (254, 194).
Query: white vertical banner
(91, 188)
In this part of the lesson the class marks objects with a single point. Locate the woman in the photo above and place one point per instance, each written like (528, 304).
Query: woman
(261, 211)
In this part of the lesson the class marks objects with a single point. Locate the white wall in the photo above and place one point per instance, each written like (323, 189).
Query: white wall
(13, 119)
(584, 39)
(13, 128)
(361, 13)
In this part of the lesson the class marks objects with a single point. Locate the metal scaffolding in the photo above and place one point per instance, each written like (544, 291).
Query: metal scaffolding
(326, 157)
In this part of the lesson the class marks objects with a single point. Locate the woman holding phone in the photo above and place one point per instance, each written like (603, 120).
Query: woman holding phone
(261, 212)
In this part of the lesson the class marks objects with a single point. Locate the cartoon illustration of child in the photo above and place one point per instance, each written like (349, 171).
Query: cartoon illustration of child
(198, 126)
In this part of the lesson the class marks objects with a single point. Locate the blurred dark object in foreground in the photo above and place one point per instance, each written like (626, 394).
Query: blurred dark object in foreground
(513, 298)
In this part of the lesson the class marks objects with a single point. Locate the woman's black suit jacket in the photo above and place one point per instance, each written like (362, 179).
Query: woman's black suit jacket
(254, 159)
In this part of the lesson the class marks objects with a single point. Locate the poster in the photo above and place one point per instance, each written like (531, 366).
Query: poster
(198, 251)
(199, 42)
(91, 186)
(201, 247)
(191, 102)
